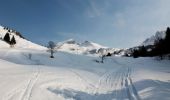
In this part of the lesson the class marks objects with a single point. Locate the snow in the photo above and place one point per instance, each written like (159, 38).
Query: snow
(152, 39)
(85, 48)
(78, 77)
(3, 44)
(28, 73)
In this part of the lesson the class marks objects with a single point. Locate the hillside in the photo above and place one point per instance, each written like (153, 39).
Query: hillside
(21, 42)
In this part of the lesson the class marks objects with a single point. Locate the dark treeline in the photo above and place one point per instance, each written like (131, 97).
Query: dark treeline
(161, 47)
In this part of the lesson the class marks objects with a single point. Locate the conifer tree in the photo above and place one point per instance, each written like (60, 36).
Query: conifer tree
(167, 40)
(13, 41)
(7, 38)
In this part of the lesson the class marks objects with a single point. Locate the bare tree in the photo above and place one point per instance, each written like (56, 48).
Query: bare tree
(51, 46)
(102, 54)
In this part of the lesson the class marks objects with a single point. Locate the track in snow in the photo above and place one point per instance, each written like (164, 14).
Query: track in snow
(89, 86)
(28, 91)
(24, 91)
(114, 84)
(119, 83)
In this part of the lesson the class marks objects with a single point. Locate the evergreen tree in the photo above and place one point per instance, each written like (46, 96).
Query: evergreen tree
(168, 33)
(159, 48)
(13, 41)
(135, 53)
(143, 51)
(7, 38)
(162, 46)
(109, 54)
(167, 40)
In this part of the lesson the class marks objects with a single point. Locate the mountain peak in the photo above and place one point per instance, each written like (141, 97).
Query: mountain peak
(152, 39)
(70, 41)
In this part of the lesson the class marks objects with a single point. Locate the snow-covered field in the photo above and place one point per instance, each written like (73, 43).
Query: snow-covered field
(78, 77)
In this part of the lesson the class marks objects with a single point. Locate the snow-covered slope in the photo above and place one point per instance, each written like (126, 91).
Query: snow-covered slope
(78, 77)
(3, 44)
(152, 39)
(20, 41)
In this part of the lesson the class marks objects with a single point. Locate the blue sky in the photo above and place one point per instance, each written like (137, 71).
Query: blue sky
(113, 23)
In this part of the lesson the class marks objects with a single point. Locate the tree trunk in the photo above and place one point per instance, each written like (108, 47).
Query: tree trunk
(52, 52)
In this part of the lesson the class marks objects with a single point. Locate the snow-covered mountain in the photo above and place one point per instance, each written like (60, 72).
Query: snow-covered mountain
(21, 42)
(86, 47)
(72, 46)
(148, 43)
(152, 39)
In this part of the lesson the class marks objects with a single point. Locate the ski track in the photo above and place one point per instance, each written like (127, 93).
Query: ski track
(21, 92)
(119, 81)
(90, 85)
(28, 91)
